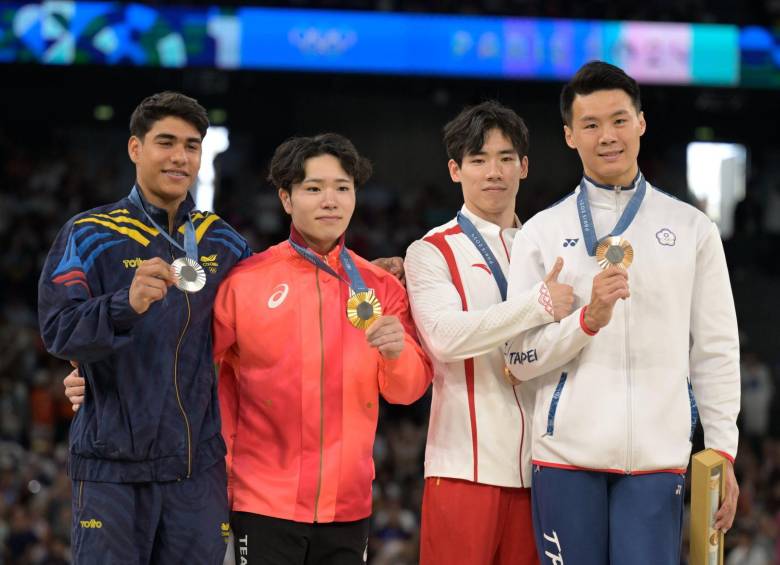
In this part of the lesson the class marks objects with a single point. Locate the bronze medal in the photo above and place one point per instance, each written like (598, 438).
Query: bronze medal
(614, 251)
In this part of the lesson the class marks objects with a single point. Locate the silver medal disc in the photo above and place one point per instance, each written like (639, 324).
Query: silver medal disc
(191, 276)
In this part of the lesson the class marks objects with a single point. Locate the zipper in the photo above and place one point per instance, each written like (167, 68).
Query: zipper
(176, 382)
(522, 435)
(629, 394)
(81, 494)
(322, 397)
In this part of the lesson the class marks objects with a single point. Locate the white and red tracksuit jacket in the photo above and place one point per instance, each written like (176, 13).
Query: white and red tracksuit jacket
(479, 424)
(299, 386)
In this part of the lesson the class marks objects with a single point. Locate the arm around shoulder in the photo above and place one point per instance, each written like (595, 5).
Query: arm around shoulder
(440, 305)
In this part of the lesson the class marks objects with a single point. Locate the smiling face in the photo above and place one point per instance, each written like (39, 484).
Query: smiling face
(321, 205)
(605, 130)
(167, 160)
(490, 178)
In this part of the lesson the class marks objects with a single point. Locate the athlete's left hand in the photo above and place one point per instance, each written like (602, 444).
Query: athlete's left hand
(394, 266)
(387, 335)
(724, 517)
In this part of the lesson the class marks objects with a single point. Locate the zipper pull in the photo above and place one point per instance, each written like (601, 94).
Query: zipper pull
(618, 189)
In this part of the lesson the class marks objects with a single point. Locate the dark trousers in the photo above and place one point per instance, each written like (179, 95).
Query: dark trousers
(262, 540)
(149, 523)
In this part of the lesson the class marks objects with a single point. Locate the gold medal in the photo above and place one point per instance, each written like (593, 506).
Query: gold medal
(363, 309)
(614, 251)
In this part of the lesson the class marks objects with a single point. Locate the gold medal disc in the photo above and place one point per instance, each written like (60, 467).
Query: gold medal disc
(614, 251)
(363, 309)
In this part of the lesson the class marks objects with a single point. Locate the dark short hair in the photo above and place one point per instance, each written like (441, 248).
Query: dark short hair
(465, 134)
(288, 165)
(164, 104)
(593, 76)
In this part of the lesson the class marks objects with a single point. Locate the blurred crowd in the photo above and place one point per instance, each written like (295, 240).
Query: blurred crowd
(44, 181)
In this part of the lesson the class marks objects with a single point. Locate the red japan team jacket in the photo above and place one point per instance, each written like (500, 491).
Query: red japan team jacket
(299, 386)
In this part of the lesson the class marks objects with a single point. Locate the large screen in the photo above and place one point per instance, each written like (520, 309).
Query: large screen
(110, 33)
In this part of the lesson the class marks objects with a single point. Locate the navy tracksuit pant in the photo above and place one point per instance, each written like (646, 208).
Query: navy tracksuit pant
(151, 523)
(596, 518)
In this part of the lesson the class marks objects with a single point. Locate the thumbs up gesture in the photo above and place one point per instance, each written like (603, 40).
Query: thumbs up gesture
(562, 295)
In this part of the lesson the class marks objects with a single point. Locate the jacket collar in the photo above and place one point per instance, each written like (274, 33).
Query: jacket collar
(610, 197)
(332, 255)
(160, 216)
(485, 227)
(595, 184)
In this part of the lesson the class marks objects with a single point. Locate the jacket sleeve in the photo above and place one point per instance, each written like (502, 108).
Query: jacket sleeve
(714, 351)
(224, 321)
(405, 379)
(537, 351)
(449, 332)
(74, 323)
(224, 353)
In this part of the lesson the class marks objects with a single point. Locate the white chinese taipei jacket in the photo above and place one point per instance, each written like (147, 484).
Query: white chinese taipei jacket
(479, 425)
(627, 399)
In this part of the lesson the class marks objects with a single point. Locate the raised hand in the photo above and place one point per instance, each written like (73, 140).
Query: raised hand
(150, 284)
(608, 286)
(562, 295)
(387, 335)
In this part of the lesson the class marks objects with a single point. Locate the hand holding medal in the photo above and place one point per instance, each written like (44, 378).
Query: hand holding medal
(387, 335)
(150, 284)
(613, 253)
(188, 275)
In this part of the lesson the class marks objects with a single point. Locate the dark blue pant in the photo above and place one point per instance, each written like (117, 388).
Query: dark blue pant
(592, 518)
(143, 523)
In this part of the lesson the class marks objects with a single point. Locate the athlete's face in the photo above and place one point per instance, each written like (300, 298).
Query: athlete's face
(605, 130)
(491, 177)
(166, 160)
(322, 204)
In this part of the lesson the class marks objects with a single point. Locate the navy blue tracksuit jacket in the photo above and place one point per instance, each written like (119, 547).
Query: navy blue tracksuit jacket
(151, 411)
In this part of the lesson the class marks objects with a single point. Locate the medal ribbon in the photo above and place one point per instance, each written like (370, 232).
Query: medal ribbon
(355, 281)
(479, 242)
(190, 243)
(586, 219)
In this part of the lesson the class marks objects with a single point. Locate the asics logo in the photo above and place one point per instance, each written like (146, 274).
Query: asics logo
(280, 293)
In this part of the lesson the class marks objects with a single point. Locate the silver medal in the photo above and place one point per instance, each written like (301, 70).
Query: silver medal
(191, 276)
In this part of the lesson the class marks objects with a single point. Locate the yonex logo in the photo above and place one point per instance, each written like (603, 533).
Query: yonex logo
(280, 293)
(570, 242)
(91, 523)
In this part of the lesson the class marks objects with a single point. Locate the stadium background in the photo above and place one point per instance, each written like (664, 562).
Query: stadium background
(63, 133)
